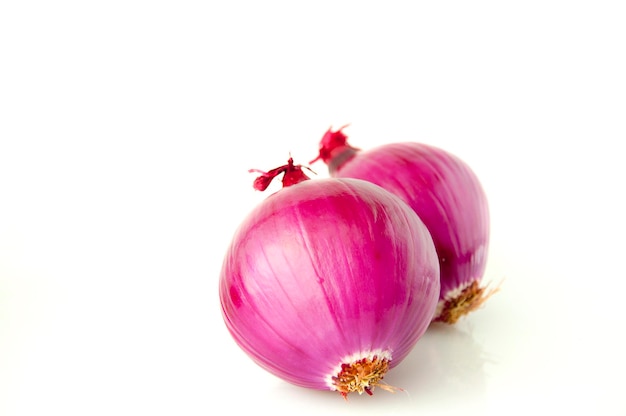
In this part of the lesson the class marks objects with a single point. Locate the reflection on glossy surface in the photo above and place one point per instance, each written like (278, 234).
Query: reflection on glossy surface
(446, 363)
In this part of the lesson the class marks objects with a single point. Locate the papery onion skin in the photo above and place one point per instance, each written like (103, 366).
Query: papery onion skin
(324, 271)
(444, 192)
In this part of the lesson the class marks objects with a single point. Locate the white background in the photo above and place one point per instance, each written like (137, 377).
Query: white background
(126, 132)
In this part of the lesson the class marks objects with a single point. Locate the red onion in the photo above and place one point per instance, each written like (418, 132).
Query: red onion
(329, 283)
(446, 195)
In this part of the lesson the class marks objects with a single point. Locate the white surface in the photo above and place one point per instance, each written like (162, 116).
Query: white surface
(126, 132)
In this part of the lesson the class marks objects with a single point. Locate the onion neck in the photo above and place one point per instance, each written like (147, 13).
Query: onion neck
(292, 174)
(334, 149)
(340, 157)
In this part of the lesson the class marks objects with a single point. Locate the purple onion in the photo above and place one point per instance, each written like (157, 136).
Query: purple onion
(329, 283)
(447, 196)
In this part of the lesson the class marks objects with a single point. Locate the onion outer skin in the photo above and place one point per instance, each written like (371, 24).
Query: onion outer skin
(325, 271)
(448, 197)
